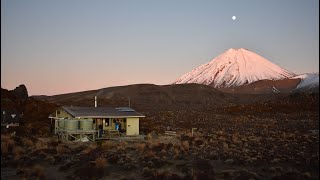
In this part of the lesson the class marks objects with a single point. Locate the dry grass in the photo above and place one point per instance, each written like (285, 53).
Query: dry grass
(27, 142)
(140, 147)
(235, 137)
(101, 162)
(61, 149)
(185, 145)
(225, 146)
(27, 172)
(220, 132)
(149, 136)
(32, 172)
(90, 148)
(146, 171)
(18, 151)
(176, 151)
(41, 145)
(164, 152)
(38, 171)
(4, 148)
(122, 145)
(151, 153)
(11, 143)
(50, 159)
(107, 145)
(7, 144)
(5, 137)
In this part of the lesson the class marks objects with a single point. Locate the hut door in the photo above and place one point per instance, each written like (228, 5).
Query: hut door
(98, 123)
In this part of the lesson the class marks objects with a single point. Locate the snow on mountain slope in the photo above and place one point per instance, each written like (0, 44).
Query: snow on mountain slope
(309, 82)
(234, 67)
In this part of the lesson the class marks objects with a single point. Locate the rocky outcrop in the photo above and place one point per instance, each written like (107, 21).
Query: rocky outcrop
(21, 92)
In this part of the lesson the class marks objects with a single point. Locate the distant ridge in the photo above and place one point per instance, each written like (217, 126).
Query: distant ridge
(309, 82)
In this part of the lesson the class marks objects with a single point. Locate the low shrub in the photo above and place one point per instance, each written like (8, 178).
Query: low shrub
(100, 162)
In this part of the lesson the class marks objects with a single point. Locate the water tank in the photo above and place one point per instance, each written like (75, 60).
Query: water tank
(61, 124)
(86, 124)
(71, 125)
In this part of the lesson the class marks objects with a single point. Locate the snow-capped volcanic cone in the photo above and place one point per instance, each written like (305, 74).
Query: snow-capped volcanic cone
(234, 67)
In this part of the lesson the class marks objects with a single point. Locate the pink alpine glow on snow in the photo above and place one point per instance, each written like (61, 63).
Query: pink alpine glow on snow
(234, 67)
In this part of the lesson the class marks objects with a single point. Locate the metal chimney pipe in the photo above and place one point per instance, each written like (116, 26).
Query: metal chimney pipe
(95, 101)
(129, 101)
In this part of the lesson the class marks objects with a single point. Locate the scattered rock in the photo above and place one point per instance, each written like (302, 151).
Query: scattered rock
(229, 161)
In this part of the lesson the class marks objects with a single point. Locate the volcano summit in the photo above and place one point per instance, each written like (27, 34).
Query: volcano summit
(234, 67)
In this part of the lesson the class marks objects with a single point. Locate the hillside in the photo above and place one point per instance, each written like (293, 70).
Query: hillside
(155, 97)
(309, 83)
(265, 87)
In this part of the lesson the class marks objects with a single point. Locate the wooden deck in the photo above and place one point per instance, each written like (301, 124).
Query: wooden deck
(92, 135)
(77, 135)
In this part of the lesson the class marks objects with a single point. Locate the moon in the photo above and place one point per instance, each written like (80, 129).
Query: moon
(234, 18)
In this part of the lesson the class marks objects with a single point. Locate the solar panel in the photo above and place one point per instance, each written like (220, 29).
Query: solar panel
(125, 109)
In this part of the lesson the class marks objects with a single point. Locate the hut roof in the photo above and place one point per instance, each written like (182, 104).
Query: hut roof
(101, 112)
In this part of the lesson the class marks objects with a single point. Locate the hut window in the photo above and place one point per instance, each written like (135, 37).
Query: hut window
(107, 122)
(58, 112)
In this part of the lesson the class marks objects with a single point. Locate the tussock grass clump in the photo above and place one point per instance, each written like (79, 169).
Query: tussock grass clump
(18, 151)
(151, 153)
(27, 142)
(32, 172)
(220, 133)
(38, 171)
(225, 146)
(11, 142)
(4, 148)
(176, 152)
(107, 145)
(50, 159)
(122, 145)
(99, 143)
(166, 174)
(101, 162)
(140, 147)
(198, 141)
(146, 171)
(235, 137)
(149, 137)
(5, 137)
(61, 149)
(185, 145)
(90, 148)
(157, 146)
(7, 145)
(25, 172)
(41, 145)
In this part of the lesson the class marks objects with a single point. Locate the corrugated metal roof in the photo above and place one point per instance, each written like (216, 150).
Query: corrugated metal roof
(100, 112)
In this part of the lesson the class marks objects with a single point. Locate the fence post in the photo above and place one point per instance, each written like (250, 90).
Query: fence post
(192, 130)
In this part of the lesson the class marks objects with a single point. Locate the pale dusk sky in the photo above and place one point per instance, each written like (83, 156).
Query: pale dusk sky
(59, 46)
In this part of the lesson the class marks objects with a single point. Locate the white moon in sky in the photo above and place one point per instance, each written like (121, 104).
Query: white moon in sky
(234, 17)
